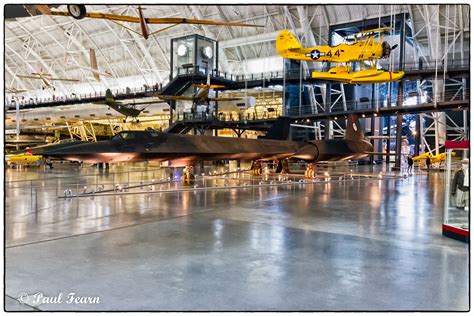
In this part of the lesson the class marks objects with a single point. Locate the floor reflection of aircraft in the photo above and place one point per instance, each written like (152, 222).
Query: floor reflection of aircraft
(79, 12)
(94, 67)
(364, 50)
(186, 149)
(46, 78)
(127, 109)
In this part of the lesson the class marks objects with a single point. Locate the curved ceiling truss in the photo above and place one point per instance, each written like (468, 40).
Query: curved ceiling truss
(42, 42)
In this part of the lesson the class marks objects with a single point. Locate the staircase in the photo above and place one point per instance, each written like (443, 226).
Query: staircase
(178, 128)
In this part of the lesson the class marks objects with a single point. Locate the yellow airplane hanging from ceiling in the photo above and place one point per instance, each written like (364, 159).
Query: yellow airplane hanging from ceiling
(363, 50)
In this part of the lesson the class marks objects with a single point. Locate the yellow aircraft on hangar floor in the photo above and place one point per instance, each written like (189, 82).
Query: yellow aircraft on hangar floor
(433, 158)
(363, 49)
(26, 158)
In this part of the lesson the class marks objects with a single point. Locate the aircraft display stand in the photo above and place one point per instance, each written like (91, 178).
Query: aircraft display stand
(456, 203)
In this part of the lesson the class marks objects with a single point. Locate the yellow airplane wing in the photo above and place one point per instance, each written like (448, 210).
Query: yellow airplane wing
(422, 156)
(372, 31)
(22, 158)
(206, 86)
(175, 97)
(133, 19)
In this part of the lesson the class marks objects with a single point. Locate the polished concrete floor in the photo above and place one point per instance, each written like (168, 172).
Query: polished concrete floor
(360, 245)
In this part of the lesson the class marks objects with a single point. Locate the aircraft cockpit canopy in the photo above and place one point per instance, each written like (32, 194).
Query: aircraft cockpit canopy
(136, 135)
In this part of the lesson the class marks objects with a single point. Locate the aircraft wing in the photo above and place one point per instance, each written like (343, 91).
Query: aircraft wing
(225, 99)
(145, 102)
(176, 97)
(373, 31)
(105, 16)
(65, 79)
(193, 21)
(133, 19)
(208, 86)
(30, 77)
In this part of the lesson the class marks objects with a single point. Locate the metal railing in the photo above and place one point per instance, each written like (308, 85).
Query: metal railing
(288, 74)
(225, 117)
(83, 98)
(202, 71)
(368, 104)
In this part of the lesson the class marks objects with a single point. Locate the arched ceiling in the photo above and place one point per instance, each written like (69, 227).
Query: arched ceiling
(42, 42)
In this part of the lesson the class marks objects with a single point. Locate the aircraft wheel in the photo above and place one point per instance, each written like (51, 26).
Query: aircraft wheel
(77, 11)
(309, 172)
(188, 178)
(257, 169)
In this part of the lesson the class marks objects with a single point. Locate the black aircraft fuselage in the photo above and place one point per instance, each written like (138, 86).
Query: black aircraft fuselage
(156, 146)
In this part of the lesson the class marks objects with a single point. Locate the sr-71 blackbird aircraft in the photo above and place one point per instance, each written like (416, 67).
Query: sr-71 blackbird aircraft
(183, 150)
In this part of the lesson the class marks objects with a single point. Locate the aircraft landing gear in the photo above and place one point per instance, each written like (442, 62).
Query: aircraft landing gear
(256, 168)
(77, 11)
(188, 176)
(282, 167)
(310, 172)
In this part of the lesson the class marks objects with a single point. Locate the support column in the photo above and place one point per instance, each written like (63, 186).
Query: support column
(398, 146)
(388, 125)
(418, 135)
(372, 141)
(327, 109)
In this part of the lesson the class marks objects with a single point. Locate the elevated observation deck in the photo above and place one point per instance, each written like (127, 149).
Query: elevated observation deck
(185, 77)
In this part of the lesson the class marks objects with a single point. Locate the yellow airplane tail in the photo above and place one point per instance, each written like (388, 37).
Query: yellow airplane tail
(286, 41)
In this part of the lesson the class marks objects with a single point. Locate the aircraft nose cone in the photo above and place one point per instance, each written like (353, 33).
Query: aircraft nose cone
(75, 149)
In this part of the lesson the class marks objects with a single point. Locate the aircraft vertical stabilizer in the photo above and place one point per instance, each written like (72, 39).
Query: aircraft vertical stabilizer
(286, 41)
(280, 130)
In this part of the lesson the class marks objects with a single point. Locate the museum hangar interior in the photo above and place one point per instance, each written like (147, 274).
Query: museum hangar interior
(237, 157)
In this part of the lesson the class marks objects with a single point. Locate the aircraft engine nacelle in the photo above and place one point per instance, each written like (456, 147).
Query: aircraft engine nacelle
(387, 49)
(334, 149)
